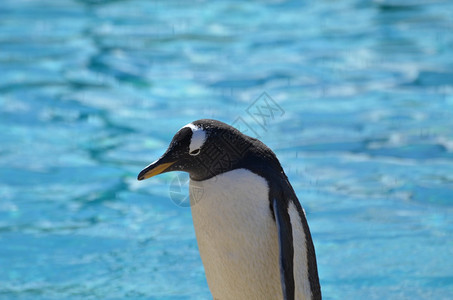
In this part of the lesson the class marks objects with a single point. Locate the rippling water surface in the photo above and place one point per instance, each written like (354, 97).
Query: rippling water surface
(91, 91)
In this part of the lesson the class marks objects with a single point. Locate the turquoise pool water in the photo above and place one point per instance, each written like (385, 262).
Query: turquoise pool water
(92, 91)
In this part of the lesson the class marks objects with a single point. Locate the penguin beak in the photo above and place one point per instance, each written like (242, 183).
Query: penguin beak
(154, 169)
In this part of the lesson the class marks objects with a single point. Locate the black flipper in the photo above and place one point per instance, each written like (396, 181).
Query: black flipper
(285, 242)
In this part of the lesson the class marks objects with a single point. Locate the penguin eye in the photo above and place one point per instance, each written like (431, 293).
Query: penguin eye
(195, 152)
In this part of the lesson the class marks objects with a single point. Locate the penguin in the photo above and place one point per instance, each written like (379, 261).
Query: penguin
(251, 229)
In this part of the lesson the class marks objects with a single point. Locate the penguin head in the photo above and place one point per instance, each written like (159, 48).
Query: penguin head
(203, 148)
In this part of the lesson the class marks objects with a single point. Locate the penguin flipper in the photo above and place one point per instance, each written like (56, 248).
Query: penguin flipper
(286, 248)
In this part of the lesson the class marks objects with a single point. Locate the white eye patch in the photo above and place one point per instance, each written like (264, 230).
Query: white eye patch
(197, 140)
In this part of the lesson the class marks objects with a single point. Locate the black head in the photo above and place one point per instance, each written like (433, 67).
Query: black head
(205, 148)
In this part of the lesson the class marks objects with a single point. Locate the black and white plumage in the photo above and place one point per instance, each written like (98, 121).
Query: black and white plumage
(251, 230)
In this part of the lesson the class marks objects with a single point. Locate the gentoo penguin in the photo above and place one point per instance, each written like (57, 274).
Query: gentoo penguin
(251, 230)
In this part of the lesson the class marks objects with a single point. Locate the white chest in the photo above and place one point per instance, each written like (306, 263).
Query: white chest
(237, 236)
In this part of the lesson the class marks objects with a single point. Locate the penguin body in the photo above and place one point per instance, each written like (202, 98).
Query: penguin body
(251, 230)
(237, 237)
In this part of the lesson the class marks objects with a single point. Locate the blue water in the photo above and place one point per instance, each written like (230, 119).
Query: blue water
(91, 91)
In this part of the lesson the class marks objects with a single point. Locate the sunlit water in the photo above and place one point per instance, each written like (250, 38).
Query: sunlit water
(92, 91)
